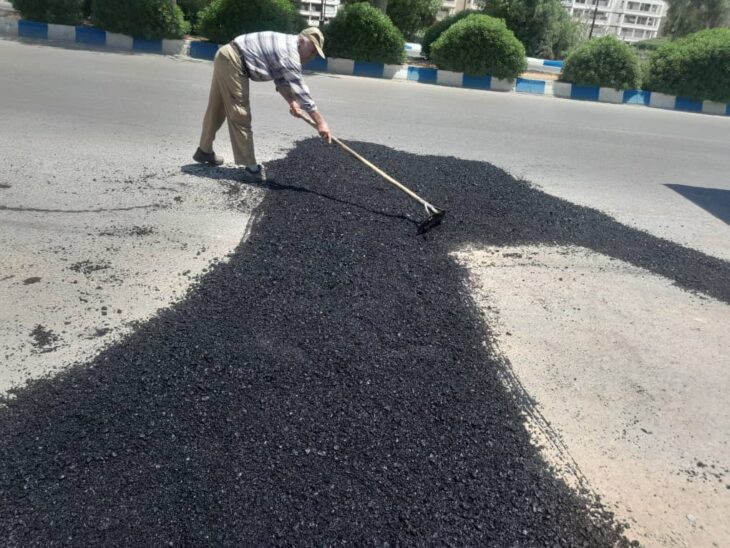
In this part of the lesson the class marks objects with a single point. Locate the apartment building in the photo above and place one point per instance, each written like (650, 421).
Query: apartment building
(312, 10)
(630, 20)
(450, 7)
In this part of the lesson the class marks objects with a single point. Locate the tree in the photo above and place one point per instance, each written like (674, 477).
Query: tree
(687, 16)
(543, 26)
(411, 16)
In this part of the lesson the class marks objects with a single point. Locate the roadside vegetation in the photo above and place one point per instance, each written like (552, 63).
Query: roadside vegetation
(691, 60)
(59, 12)
(606, 62)
(151, 19)
(222, 20)
(480, 45)
(363, 32)
(696, 66)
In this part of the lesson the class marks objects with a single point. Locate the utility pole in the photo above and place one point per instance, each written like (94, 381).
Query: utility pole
(321, 15)
(593, 23)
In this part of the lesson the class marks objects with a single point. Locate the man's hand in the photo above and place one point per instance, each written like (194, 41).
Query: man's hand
(324, 131)
(295, 110)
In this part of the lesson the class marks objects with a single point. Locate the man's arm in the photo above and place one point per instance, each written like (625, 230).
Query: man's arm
(322, 127)
(296, 111)
(288, 95)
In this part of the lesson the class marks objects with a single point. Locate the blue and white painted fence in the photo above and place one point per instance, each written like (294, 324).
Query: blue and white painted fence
(205, 50)
(90, 36)
(519, 85)
(544, 65)
(412, 49)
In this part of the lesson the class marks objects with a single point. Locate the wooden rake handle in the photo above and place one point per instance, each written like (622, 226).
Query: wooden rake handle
(429, 208)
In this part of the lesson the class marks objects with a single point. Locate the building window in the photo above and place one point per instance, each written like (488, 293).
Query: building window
(630, 19)
(633, 6)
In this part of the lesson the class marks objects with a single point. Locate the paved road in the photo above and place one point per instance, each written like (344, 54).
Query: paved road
(614, 158)
(102, 226)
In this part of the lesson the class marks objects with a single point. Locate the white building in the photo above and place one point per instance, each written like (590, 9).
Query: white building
(312, 10)
(630, 20)
(450, 7)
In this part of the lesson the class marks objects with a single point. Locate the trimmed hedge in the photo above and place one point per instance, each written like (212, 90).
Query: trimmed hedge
(437, 29)
(697, 66)
(480, 45)
(151, 19)
(364, 33)
(59, 12)
(604, 62)
(222, 20)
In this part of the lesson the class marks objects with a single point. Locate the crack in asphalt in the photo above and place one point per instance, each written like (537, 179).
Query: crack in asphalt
(98, 210)
(332, 383)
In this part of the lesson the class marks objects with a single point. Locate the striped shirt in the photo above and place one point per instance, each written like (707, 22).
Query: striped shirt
(275, 56)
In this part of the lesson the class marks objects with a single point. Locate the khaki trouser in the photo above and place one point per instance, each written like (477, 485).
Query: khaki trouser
(229, 99)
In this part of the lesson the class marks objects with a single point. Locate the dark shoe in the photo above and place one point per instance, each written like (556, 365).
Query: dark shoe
(207, 157)
(250, 176)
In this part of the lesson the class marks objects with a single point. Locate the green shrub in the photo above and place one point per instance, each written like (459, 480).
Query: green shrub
(697, 66)
(605, 62)
(223, 20)
(191, 9)
(60, 12)
(480, 45)
(437, 29)
(151, 19)
(362, 32)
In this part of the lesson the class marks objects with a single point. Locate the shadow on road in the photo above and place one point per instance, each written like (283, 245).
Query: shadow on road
(715, 201)
(231, 176)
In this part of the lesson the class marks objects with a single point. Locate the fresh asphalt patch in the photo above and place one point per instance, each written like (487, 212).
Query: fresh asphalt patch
(329, 384)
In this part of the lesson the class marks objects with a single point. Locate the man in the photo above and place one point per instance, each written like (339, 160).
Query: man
(259, 56)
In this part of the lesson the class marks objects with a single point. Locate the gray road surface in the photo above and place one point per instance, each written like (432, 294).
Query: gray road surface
(93, 201)
(616, 158)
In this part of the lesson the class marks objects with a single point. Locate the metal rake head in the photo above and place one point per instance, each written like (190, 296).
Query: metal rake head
(434, 219)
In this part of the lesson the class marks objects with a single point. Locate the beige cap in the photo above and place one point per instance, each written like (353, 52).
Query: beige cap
(314, 35)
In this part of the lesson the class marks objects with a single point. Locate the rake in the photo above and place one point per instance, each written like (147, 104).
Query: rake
(435, 215)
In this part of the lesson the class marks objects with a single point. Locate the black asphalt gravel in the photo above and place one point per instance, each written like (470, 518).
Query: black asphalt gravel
(330, 384)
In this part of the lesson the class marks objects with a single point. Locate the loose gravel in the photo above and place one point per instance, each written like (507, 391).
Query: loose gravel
(330, 384)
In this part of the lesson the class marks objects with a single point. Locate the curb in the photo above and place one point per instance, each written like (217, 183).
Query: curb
(206, 51)
(544, 65)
